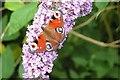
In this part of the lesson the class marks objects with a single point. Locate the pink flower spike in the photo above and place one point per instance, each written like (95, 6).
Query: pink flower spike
(39, 64)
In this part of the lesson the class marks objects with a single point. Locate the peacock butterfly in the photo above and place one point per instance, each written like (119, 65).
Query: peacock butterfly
(51, 36)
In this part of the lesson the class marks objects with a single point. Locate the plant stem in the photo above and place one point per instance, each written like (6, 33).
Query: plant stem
(93, 17)
(99, 43)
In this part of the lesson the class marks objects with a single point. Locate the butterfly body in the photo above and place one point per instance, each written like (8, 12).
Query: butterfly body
(52, 34)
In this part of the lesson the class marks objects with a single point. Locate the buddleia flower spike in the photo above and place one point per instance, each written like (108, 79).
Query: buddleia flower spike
(39, 63)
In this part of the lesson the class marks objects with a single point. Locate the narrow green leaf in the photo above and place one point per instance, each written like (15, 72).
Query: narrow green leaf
(101, 5)
(24, 40)
(3, 21)
(13, 5)
(7, 63)
(21, 17)
(20, 71)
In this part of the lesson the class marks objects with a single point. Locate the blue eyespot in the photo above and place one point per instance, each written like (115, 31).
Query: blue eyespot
(60, 30)
(48, 46)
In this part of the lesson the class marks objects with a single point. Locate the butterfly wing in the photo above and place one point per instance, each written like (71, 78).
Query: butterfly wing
(51, 36)
(56, 23)
(54, 31)
(41, 42)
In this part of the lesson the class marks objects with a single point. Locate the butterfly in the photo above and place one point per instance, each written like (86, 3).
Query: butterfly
(51, 36)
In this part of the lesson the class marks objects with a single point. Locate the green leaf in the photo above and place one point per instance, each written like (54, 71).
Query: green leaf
(24, 40)
(58, 65)
(13, 5)
(114, 72)
(20, 71)
(59, 73)
(100, 71)
(66, 50)
(84, 74)
(100, 67)
(80, 61)
(118, 62)
(109, 55)
(73, 74)
(3, 21)
(21, 17)
(0, 68)
(16, 50)
(101, 5)
(7, 63)
(112, 56)
(8, 37)
(2, 48)
(101, 55)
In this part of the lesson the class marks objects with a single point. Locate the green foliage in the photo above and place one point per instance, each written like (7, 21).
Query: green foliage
(2, 48)
(21, 71)
(101, 68)
(0, 68)
(7, 63)
(21, 17)
(101, 5)
(13, 5)
(4, 21)
(114, 72)
(80, 61)
(16, 51)
(84, 74)
(77, 59)
(8, 37)
(59, 74)
(73, 74)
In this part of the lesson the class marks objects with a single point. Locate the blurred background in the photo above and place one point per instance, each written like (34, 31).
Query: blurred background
(90, 51)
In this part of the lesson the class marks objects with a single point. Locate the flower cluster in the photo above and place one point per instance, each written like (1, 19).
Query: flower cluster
(37, 64)
(40, 64)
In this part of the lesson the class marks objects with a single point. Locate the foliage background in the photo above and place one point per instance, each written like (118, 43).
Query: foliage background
(79, 58)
